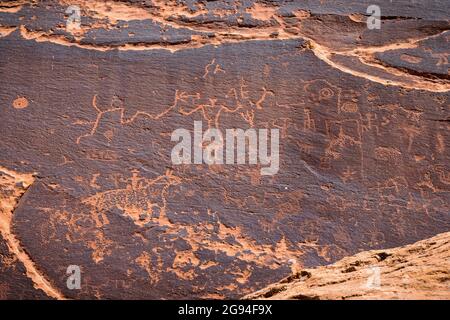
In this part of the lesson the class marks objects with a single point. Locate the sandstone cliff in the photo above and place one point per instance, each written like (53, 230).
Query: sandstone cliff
(417, 271)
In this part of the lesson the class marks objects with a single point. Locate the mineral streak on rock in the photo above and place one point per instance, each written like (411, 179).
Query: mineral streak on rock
(417, 271)
(364, 129)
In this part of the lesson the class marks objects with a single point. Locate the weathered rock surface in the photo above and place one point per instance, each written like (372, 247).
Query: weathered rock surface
(417, 271)
(86, 116)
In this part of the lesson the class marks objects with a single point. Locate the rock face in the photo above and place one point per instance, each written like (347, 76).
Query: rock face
(91, 92)
(417, 271)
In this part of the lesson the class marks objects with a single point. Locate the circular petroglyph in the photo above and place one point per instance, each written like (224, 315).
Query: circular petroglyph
(326, 93)
(20, 103)
(350, 107)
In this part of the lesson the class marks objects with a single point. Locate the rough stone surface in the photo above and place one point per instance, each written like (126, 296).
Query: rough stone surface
(86, 116)
(417, 271)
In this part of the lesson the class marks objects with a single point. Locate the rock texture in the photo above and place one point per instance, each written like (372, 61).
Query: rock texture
(417, 271)
(86, 115)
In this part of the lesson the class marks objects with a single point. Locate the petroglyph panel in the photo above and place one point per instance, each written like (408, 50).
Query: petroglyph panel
(86, 118)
